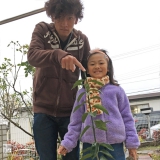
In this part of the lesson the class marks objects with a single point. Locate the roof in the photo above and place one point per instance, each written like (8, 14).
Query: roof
(145, 96)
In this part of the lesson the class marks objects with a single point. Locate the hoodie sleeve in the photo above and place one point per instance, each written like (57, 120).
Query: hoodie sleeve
(38, 55)
(74, 128)
(132, 140)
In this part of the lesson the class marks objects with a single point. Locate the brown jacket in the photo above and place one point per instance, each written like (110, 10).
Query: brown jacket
(52, 85)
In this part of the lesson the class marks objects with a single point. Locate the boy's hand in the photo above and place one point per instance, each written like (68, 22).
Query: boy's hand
(69, 62)
(133, 153)
(62, 150)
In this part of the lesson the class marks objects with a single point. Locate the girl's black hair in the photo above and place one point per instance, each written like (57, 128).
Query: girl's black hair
(110, 73)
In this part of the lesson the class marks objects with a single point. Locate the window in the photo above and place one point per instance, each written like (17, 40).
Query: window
(136, 108)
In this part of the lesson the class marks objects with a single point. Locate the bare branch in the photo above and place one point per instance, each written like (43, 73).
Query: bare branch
(16, 124)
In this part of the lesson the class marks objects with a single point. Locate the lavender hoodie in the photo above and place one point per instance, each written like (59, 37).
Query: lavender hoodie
(120, 128)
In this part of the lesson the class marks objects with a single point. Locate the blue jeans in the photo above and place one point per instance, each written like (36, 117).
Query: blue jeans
(117, 154)
(46, 129)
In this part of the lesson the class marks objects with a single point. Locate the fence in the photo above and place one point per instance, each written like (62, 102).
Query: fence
(3, 141)
(141, 120)
(15, 150)
(16, 144)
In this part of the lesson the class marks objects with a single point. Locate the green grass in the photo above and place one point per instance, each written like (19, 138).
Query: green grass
(150, 148)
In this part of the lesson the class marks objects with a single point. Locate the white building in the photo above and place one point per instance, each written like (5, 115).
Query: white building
(144, 101)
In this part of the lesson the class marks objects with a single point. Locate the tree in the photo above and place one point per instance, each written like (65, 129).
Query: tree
(12, 100)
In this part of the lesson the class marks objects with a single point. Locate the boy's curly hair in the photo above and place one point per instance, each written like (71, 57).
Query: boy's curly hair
(57, 8)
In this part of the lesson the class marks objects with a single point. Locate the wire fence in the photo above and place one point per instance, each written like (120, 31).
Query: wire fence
(141, 120)
(20, 146)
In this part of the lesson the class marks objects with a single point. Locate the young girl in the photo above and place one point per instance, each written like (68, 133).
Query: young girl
(121, 126)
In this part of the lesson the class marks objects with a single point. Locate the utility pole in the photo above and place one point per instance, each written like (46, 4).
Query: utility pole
(22, 16)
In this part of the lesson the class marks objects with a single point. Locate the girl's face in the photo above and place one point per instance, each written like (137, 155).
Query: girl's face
(97, 65)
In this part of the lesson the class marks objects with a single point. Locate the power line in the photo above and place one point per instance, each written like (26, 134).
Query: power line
(145, 74)
(144, 90)
(137, 50)
(138, 73)
(140, 70)
(141, 49)
(139, 81)
(132, 53)
(22, 16)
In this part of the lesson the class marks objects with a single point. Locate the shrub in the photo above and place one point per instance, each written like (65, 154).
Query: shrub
(143, 133)
(156, 135)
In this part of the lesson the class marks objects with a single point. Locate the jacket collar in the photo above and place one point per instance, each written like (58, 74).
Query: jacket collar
(74, 34)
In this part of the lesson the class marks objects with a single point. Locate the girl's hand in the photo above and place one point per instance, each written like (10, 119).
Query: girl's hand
(133, 153)
(62, 150)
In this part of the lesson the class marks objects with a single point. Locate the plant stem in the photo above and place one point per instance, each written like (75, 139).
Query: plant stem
(90, 110)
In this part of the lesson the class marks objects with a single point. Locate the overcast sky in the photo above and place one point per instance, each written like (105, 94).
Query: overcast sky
(128, 29)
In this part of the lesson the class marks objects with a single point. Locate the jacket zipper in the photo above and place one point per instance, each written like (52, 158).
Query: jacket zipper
(68, 44)
(57, 101)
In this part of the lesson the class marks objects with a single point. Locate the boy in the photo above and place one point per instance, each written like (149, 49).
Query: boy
(58, 52)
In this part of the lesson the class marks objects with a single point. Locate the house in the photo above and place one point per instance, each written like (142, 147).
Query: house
(144, 101)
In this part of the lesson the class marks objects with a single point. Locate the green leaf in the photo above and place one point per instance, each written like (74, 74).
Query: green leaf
(87, 149)
(77, 83)
(105, 152)
(86, 86)
(93, 114)
(101, 108)
(108, 146)
(86, 156)
(97, 82)
(77, 107)
(95, 149)
(95, 97)
(80, 96)
(103, 158)
(100, 125)
(84, 130)
(84, 116)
